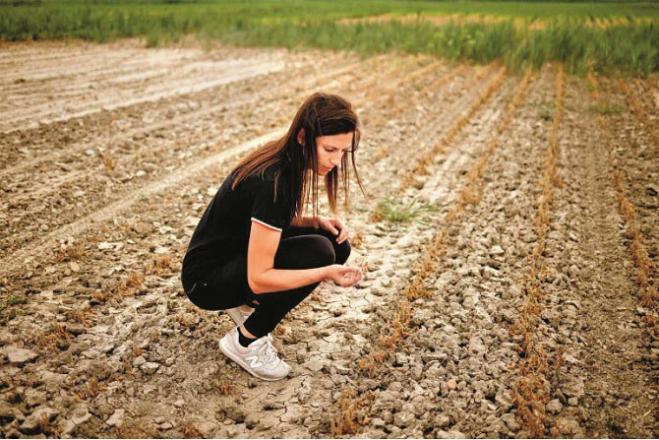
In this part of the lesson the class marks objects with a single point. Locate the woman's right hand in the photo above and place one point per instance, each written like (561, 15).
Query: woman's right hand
(344, 276)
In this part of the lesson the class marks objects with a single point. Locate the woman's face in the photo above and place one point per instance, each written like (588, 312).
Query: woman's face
(330, 151)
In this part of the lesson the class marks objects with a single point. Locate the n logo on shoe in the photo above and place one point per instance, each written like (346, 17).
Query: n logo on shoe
(253, 361)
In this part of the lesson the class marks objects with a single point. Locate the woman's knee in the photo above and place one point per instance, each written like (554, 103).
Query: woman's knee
(305, 252)
(323, 251)
(342, 252)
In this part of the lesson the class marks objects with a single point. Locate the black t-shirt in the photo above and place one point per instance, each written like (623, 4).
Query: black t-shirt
(223, 231)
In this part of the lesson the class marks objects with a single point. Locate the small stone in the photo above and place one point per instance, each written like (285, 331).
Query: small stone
(403, 419)
(442, 421)
(235, 413)
(511, 422)
(179, 403)
(139, 361)
(567, 426)
(251, 421)
(80, 414)
(497, 250)
(165, 426)
(573, 401)
(315, 364)
(19, 356)
(503, 398)
(149, 367)
(451, 384)
(117, 418)
(32, 424)
(575, 388)
(554, 406)
(450, 434)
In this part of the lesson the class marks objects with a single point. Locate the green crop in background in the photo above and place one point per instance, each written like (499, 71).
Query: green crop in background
(605, 37)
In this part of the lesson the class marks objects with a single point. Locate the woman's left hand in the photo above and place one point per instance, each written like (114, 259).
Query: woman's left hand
(334, 226)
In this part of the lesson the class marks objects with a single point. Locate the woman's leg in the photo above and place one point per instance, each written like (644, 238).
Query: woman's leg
(295, 252)
(300, 248)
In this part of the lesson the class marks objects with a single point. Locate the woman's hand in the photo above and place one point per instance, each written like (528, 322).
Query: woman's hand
(344, 276)
(334, 226)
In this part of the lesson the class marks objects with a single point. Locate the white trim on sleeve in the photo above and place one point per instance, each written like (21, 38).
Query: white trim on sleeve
(261, 222)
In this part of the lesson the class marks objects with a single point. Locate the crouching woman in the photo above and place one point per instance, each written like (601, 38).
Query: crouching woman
(254, 254)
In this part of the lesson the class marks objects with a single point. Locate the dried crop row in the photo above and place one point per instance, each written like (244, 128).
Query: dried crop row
(166, 156)
(420, 168)
(644, 266)
(396, 330)
(591, 322)
(458, 96)
(531, 389)
(649, 124)
(453, 78)
(352, 406)
(634, 155)
(451, 373)
(28, 148)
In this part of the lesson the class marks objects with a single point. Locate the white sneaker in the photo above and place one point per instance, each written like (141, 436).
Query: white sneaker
(260, 358)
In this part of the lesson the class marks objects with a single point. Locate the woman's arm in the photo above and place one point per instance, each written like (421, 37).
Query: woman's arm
(262, 277)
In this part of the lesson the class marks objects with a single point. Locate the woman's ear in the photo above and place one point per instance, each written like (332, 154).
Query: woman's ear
(300, 136)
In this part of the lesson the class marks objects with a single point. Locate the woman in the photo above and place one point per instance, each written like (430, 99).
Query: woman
(254, 254)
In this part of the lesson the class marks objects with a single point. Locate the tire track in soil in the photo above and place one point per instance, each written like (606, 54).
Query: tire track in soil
(389, 408)
(183, 85)
(138, 245)
(605, 386)
(67, 217)
(123, 124)
(240, 56)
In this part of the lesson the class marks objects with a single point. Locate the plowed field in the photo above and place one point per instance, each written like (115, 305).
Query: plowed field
(520, 298)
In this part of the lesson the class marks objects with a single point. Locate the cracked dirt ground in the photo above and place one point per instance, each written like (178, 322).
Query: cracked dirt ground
(111, 152)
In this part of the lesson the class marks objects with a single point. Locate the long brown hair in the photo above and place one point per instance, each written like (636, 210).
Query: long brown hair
(321, 114)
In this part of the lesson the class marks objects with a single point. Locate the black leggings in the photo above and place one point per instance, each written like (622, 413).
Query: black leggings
(299, 248)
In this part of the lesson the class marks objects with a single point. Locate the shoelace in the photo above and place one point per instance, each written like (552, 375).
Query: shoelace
(266, 351)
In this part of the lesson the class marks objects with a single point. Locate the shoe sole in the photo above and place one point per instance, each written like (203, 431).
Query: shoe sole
(231, 355)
